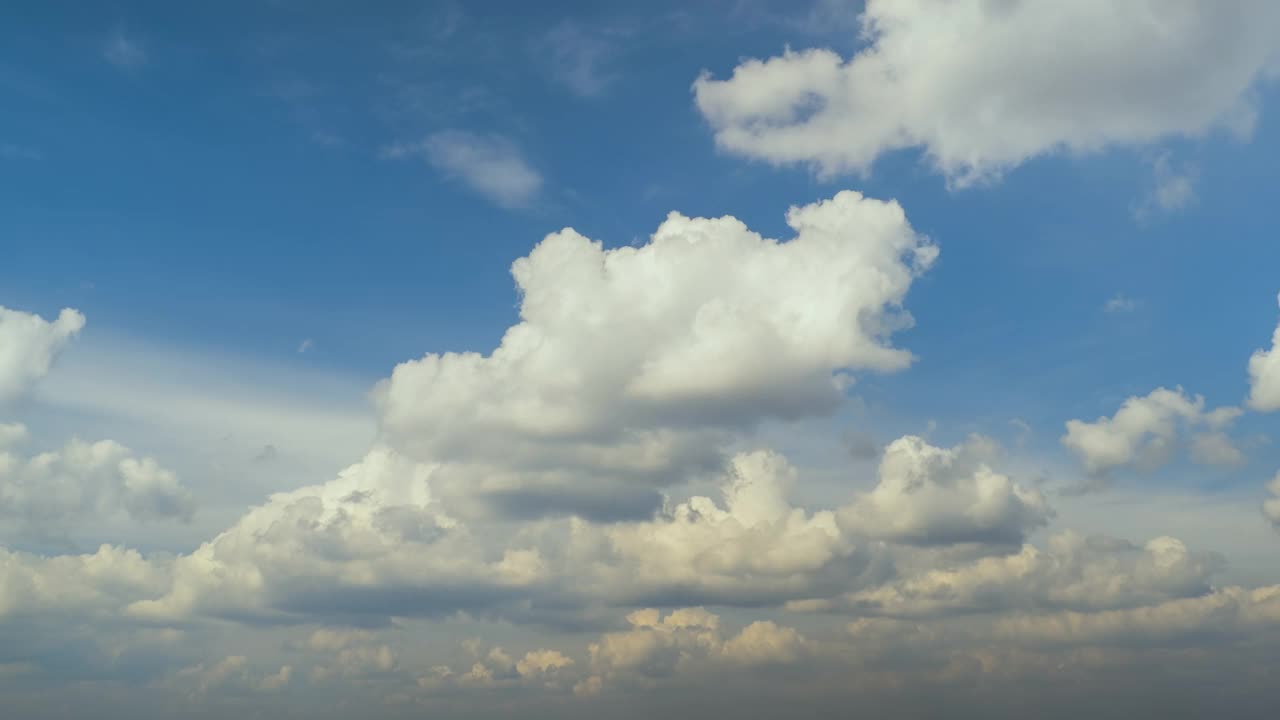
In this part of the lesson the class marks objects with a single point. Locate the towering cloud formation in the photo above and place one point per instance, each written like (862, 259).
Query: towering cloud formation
(982, 87)
(630, 367)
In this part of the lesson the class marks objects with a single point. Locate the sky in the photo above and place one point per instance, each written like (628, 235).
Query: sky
(603, 360)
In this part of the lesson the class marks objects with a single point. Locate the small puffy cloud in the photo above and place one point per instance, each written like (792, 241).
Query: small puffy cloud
(541, 668)
(543, 665)
(1264, 377)
(491, 165)
(1172, 188)
(1146, 431)
(82, 480)
(1120, 303)
(576, 57)
(1271, 506)
(28, 346)
(984, 87)
(631, 366)
(934, 496)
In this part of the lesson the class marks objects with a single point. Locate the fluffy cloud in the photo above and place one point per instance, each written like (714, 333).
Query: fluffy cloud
(657, 646)
(755, 549)
(934, 496)
(1264, 377)
(1271, 506)
(1075, 572)
(371, 541)
(1145, 432)
(82, 479)
(541, 668)
(84, 586)
(28, 346)
(630, 366)
(983, 87)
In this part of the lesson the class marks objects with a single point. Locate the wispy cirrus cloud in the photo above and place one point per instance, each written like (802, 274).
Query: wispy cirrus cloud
(492, 165)
(124, 51)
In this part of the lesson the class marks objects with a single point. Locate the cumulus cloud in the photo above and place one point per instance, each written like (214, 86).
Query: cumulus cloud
(81, 480)
(350, 652)
(933, 496)
(1264, 377)
(630, 366)
(375, 543)
(1230, 612)
(372, 538)
(491, 165)
(754, 549)
(1074, 572)
(982, 87)
(683, 641)
(1271, 506)
(90, 586)
(1146, 431)
(29, 345)
(541, 668)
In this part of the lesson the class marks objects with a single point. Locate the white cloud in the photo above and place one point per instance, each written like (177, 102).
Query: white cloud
(630, 366)
(1231, 611)
(756, 548)
(983, 87)
(1172, 188)
(52, 490)
(934, 496)
(87, 587)
(1271, 506)
(491, 165)
(350, 652)
(684, 641)
(1264, 377)
(1073, 572)
(1119, 303)
(1145, 433)
(28, 346)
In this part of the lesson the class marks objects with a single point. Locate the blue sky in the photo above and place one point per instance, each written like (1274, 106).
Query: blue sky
(262, 208)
